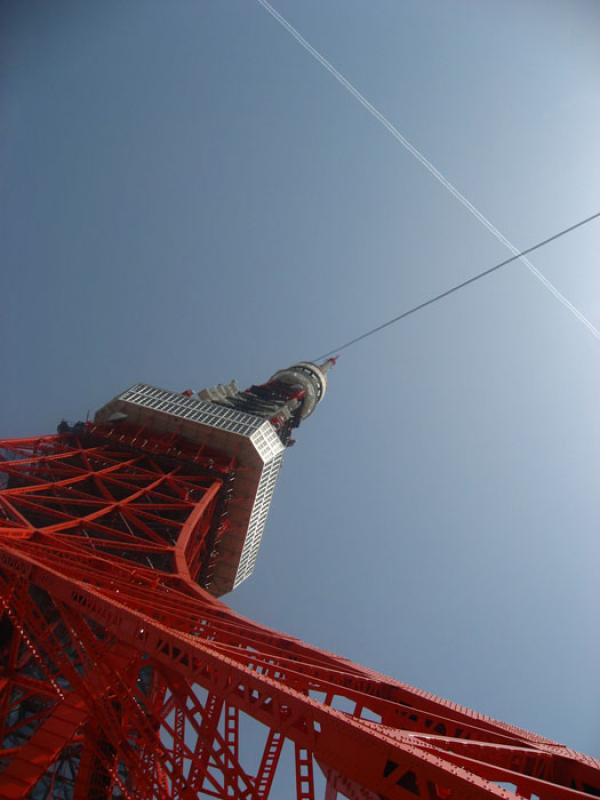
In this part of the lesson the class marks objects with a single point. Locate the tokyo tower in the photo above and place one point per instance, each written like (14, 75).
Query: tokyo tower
(122, 673)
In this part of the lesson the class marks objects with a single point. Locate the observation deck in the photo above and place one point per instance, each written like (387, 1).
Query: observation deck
(251, 440)
(252, 426)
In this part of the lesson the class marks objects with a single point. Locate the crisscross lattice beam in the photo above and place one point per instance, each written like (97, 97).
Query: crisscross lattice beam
(122, 677)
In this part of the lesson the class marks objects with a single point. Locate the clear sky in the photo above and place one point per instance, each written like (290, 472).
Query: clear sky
(187, 197)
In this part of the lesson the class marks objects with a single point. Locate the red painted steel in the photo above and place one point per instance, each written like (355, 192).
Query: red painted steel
(122, 677)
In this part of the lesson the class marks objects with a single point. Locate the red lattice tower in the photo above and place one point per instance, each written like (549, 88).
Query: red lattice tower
(123, 675)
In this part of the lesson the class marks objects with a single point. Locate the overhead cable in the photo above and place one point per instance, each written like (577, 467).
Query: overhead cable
(457, 286)
(383, 120)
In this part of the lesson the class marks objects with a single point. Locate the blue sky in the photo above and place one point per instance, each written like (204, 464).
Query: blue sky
(188, 197)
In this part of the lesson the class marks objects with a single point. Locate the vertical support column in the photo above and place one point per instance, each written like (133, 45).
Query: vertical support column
(268, 764)
(178, 745)
(232, 726)
(330, 790)
(305, 784)
(208, 721)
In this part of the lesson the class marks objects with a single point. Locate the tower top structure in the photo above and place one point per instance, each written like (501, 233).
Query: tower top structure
(288, 397)
(253, 427)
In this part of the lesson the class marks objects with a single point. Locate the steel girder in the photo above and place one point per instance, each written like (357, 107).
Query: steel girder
(121, 677)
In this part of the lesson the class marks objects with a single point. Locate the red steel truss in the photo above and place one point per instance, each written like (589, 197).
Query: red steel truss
(122, 677)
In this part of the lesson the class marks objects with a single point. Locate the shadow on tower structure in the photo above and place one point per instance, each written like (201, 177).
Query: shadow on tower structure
(122, 673)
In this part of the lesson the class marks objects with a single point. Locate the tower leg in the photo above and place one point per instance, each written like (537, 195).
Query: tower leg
(121, 677)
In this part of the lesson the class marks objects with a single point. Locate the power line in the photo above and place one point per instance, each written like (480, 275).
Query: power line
(458, 286)
(383, 120)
